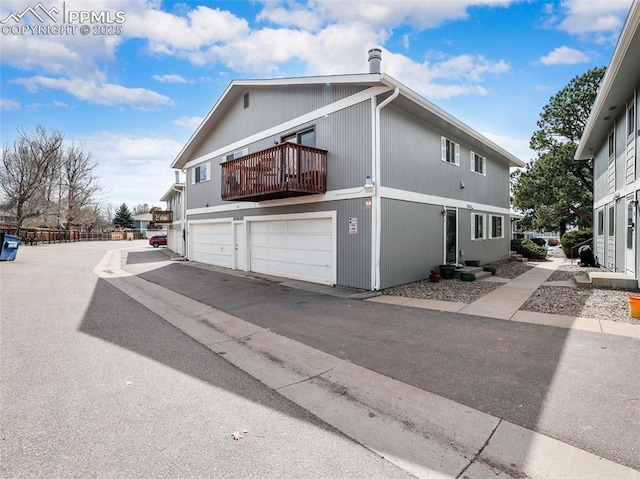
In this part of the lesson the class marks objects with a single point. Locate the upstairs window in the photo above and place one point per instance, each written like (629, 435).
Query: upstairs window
(305, 137)
(245, 100)
(612, 145)
(631, 121)
(237, 154)
(450, 151)
(478, 164)
(202, 173)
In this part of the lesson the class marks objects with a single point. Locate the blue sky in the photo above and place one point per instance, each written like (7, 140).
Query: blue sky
(135, 91)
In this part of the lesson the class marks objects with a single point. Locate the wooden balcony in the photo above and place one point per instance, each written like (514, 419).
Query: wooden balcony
(283, 171)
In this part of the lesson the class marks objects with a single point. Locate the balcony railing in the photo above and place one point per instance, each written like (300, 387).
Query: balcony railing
(282, 171)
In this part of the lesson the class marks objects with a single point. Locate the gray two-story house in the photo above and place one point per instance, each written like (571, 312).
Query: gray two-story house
(611, 138)
(352, 180)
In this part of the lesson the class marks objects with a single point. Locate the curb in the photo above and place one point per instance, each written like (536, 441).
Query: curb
(425, 434)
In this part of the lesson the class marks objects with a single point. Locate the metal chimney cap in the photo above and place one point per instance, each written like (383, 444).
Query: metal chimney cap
(375, 57)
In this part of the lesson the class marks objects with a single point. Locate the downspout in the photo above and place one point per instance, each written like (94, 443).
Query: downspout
(377, 222)
(185, 223)
(181, 192)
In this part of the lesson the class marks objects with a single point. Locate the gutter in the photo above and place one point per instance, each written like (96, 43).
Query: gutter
(377, 206)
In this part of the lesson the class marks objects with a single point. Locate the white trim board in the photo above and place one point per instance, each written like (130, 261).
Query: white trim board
(354, 193)
(300, 120)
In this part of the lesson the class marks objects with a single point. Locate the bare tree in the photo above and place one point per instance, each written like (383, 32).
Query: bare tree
(28, 171)
(46, 184)
(79, 185)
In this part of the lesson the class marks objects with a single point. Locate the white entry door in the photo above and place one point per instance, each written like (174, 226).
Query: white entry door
(240, 251)
(630, 247)
(300, 249)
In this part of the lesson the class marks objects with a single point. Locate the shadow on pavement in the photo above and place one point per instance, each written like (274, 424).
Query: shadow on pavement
(507, 369)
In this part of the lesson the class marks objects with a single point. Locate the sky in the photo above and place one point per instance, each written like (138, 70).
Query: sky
(131, 80)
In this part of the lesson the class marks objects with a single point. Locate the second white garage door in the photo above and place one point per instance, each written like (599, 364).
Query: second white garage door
(299, 249)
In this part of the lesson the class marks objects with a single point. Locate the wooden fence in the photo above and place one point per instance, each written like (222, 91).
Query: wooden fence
(33, 236)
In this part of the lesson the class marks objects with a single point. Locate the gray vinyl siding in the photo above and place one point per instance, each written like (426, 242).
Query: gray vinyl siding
(411, 160)
(268, 107)
(488, 249)
(345, 134)
(353, 250)
(600, 173)
(412, 241)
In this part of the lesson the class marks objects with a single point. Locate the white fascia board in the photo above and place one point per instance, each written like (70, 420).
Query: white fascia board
(354, 193)
(169, 193)
(337, 79)
(619, 54)
(426, 104)
(411, 196)
(307, 117)
(334, 195)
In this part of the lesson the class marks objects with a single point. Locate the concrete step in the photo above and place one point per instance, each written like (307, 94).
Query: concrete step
(482, 274)
(613, 280)
(582, 281)
(467, 269)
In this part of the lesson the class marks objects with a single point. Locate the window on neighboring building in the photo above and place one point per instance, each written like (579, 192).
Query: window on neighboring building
(600, 223)
(631, 120)
(496, 227)
(612, 146)
(478, 164)
(202, 173)
(477, 226)
(246, 100)
(450, 151)
(612, 221)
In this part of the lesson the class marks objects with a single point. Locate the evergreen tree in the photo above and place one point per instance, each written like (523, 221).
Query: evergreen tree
(554, 190)
(123, 217)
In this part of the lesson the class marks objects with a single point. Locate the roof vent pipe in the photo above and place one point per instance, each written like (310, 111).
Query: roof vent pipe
(375, 57)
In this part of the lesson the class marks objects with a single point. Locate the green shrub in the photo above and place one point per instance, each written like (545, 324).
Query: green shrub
(533, 251)
(528, 249)
(573, 238)
(539, 241)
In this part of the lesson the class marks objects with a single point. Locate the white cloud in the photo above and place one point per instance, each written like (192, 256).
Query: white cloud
(6, 104)
(564, 56)
(191, 122)
(143, 161)
(101, 93)
(173, 78)
(516, 146)
(601, 20)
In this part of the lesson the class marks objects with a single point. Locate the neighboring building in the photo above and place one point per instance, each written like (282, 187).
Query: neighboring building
(7, 217)
(352, 180)
(176, 230)
(144, 224)
(611, 139)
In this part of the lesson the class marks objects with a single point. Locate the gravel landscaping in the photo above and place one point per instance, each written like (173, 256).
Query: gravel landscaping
(606, 304)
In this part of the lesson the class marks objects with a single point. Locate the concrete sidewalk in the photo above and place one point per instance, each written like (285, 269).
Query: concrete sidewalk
(505, 303)
(425, 433)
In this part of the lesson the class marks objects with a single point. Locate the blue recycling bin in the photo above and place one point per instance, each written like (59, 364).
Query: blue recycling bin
(8, 247)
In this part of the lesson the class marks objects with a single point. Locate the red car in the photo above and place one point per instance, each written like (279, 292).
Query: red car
(156, 241)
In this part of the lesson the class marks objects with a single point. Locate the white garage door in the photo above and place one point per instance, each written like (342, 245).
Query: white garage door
(175, 239)
(299, 249)
(212, 243)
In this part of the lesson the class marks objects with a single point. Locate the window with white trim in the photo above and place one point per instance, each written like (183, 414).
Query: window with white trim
(202, 173)
(612, 221)
(497, 230)
(600, 229)
(631, 121)
(450, 151)
(478, 164)
(237, 154)
(611, 141)
(478, 226)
